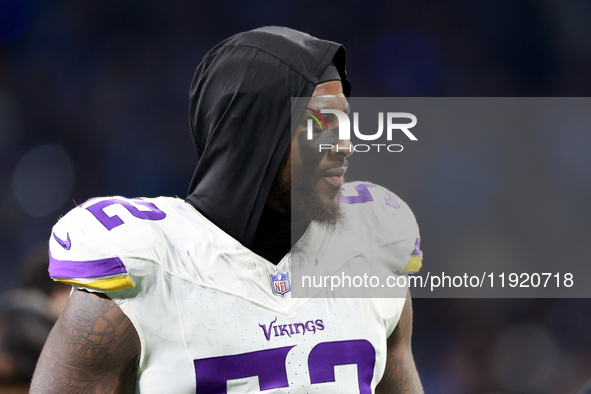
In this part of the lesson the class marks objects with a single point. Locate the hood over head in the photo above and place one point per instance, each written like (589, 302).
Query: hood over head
(240, 105)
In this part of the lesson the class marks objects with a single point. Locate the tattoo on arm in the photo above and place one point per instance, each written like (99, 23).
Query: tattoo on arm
(401, 375)
(93, 348)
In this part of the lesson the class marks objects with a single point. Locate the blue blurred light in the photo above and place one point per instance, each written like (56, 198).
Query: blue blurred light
(406, 63)
(15, 18)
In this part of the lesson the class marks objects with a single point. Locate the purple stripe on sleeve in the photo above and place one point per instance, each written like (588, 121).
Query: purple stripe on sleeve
(85, 269)
(417, 247)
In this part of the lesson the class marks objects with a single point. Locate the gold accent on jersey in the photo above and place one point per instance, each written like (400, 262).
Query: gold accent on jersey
(110, 284)
(414, 264)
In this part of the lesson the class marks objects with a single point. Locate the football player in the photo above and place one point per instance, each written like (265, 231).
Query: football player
(185, 296)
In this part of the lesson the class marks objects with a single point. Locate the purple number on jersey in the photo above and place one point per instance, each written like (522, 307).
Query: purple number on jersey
(269, 365)
(110, 222)
(365, 196)
(325, 356)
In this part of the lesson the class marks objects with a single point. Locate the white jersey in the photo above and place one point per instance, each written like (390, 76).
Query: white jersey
(213, 317)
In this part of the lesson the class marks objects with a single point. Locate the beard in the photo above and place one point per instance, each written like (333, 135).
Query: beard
(307, 203)
(298, 192)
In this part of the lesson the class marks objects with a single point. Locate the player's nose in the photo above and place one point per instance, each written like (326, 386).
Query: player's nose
(342, 148)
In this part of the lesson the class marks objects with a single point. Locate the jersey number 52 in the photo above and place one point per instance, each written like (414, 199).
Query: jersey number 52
(270, 366)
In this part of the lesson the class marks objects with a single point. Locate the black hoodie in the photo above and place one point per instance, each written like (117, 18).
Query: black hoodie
(240, 105)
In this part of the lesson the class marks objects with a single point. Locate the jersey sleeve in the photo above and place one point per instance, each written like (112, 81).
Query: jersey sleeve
(404, 242)
(394, 230)
(101, 244)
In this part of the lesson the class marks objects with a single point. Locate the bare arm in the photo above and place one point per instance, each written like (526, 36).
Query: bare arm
(401, 374)
(93, 348)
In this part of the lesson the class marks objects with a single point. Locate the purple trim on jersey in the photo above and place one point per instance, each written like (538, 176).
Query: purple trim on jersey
(269, 365)
(391, 201)
(85, 269)
(326, 355)
(364, 195)
(110, 222)
(417, 247)
(67, 244)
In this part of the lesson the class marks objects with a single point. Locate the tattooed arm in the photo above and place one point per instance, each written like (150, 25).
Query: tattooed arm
(93, 348)
(401, 374)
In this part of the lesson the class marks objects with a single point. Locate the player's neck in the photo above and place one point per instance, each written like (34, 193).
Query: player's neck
(276, 234)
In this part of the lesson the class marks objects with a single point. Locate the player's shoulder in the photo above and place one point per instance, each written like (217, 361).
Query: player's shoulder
(95, 245)
(367, 198)
(381, 219)
(115, 219)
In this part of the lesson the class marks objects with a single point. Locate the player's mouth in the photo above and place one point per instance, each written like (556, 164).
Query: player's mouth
(336, 176)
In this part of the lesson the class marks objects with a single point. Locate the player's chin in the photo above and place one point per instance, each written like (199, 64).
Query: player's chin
(329, 191)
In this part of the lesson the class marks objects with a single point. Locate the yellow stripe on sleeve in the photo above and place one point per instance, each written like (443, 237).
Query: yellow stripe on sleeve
(414, 264)
(110, 284)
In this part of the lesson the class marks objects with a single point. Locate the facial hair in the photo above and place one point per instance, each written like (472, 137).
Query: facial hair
(308, 205)
(298, 191)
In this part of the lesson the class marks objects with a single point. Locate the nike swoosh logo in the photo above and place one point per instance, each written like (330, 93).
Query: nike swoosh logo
(64, 244)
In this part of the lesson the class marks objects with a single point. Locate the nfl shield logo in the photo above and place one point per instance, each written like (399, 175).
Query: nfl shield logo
(280, 283)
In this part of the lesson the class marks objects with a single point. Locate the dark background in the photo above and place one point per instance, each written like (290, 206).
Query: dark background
(94, 98)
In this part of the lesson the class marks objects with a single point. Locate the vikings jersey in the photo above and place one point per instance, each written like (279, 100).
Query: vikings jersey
(213, 317)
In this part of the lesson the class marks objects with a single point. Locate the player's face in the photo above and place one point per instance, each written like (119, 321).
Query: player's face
(311, 177)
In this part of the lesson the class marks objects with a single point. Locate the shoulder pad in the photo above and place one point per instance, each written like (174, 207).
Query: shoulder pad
(394, 225)
(367, 192)
(94, 245)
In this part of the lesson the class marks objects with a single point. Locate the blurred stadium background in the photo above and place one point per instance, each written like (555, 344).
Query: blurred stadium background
(93, 101)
